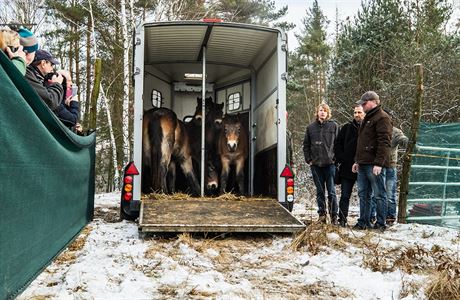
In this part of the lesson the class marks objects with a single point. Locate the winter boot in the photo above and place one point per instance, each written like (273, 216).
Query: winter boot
(322, 219)
(334, 220)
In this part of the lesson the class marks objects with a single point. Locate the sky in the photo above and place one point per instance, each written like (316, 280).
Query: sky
(346, 8)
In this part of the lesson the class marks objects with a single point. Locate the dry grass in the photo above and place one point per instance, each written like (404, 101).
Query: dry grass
(316, 237)
(168, 290)
(70, 254)
(445, 283)
(195, 293)
(109, 215)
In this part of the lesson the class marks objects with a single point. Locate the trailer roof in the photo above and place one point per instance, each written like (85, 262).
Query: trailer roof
(228, 45)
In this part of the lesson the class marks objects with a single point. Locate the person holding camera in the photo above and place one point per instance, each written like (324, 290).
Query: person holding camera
(69, 109)
(41, 76)
(9, 43)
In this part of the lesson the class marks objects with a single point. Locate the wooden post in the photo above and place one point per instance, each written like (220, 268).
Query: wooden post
(95, 93)
(407, 159)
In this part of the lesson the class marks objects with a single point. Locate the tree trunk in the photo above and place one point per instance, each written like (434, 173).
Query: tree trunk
(88, 73)
(95, 93)
(116, 179)
(125, 113)
(407, 159)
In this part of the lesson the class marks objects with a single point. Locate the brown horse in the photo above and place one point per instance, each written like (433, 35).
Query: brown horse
(233, 150)
(165, 143)
(213, 122)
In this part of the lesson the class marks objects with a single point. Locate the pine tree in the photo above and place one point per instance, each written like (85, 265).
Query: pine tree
(308, 71)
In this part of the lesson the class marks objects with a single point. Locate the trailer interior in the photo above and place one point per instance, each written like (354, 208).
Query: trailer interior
(244, 67)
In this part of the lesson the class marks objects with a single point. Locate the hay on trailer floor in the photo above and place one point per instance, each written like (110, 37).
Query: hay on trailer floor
(182, 196)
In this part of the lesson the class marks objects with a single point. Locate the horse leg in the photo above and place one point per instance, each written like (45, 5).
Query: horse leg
(187, 168)
(240, 175)
(224, 174)
(172, 177)
(166, 152)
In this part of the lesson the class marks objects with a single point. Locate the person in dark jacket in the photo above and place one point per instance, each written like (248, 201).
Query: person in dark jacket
(49, 90)
(371, 160)
(345, 149)
(318, 149)
(69, 109)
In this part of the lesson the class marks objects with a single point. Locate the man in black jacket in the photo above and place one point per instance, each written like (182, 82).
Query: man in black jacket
(318, 149)
(345, 149)
(49, 90)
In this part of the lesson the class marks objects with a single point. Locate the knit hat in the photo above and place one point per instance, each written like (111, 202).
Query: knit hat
(28, 40)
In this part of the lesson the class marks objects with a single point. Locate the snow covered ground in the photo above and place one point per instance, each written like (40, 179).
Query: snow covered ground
(110, 261)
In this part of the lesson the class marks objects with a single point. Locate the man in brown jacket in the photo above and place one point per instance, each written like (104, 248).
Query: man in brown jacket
(371, 160)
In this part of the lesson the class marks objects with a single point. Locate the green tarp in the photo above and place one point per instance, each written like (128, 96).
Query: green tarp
(46, 182)
(434, 184)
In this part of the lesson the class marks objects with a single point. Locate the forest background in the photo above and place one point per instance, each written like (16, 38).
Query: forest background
(375, 50)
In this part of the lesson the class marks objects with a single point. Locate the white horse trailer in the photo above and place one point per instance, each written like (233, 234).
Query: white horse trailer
(242, 66)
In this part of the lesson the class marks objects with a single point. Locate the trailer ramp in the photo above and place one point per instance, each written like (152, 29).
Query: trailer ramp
(216, 215)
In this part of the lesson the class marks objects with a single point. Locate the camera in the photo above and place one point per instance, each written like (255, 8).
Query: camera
(74, 90)
(50, 75)
(13, 49)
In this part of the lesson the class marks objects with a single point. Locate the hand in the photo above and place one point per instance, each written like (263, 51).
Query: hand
(355, 168)
(377, 170)
(78, 127)
(18, 53)
(57, 78)
(70, 99)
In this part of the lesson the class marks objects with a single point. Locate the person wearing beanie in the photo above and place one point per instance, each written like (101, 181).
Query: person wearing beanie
(29, 43)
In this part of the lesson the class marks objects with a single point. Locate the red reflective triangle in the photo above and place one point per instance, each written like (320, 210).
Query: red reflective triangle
(132, 170)
(287, 172)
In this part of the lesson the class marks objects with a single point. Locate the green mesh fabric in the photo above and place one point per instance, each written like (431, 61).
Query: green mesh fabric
(434, 185)
(46, 182)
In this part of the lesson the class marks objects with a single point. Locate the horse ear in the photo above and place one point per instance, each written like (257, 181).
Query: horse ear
(220, 106)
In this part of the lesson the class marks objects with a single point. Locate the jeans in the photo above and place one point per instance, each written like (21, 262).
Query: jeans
(344, 203)
(391, 179)
(368, 183)
(325, 176)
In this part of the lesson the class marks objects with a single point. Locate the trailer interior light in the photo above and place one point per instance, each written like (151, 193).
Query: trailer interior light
(128, 196)
(193, 76)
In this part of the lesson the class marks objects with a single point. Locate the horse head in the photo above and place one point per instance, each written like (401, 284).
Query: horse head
(212, 177)
(232, 128)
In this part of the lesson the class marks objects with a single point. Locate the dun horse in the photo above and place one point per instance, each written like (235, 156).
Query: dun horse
(233, 150)
(165, 143)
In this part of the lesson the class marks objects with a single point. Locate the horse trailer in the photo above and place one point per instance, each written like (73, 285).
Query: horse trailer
(242, 67)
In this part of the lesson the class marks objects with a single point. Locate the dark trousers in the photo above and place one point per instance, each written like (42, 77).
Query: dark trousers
(344, 203)
(324, 181)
